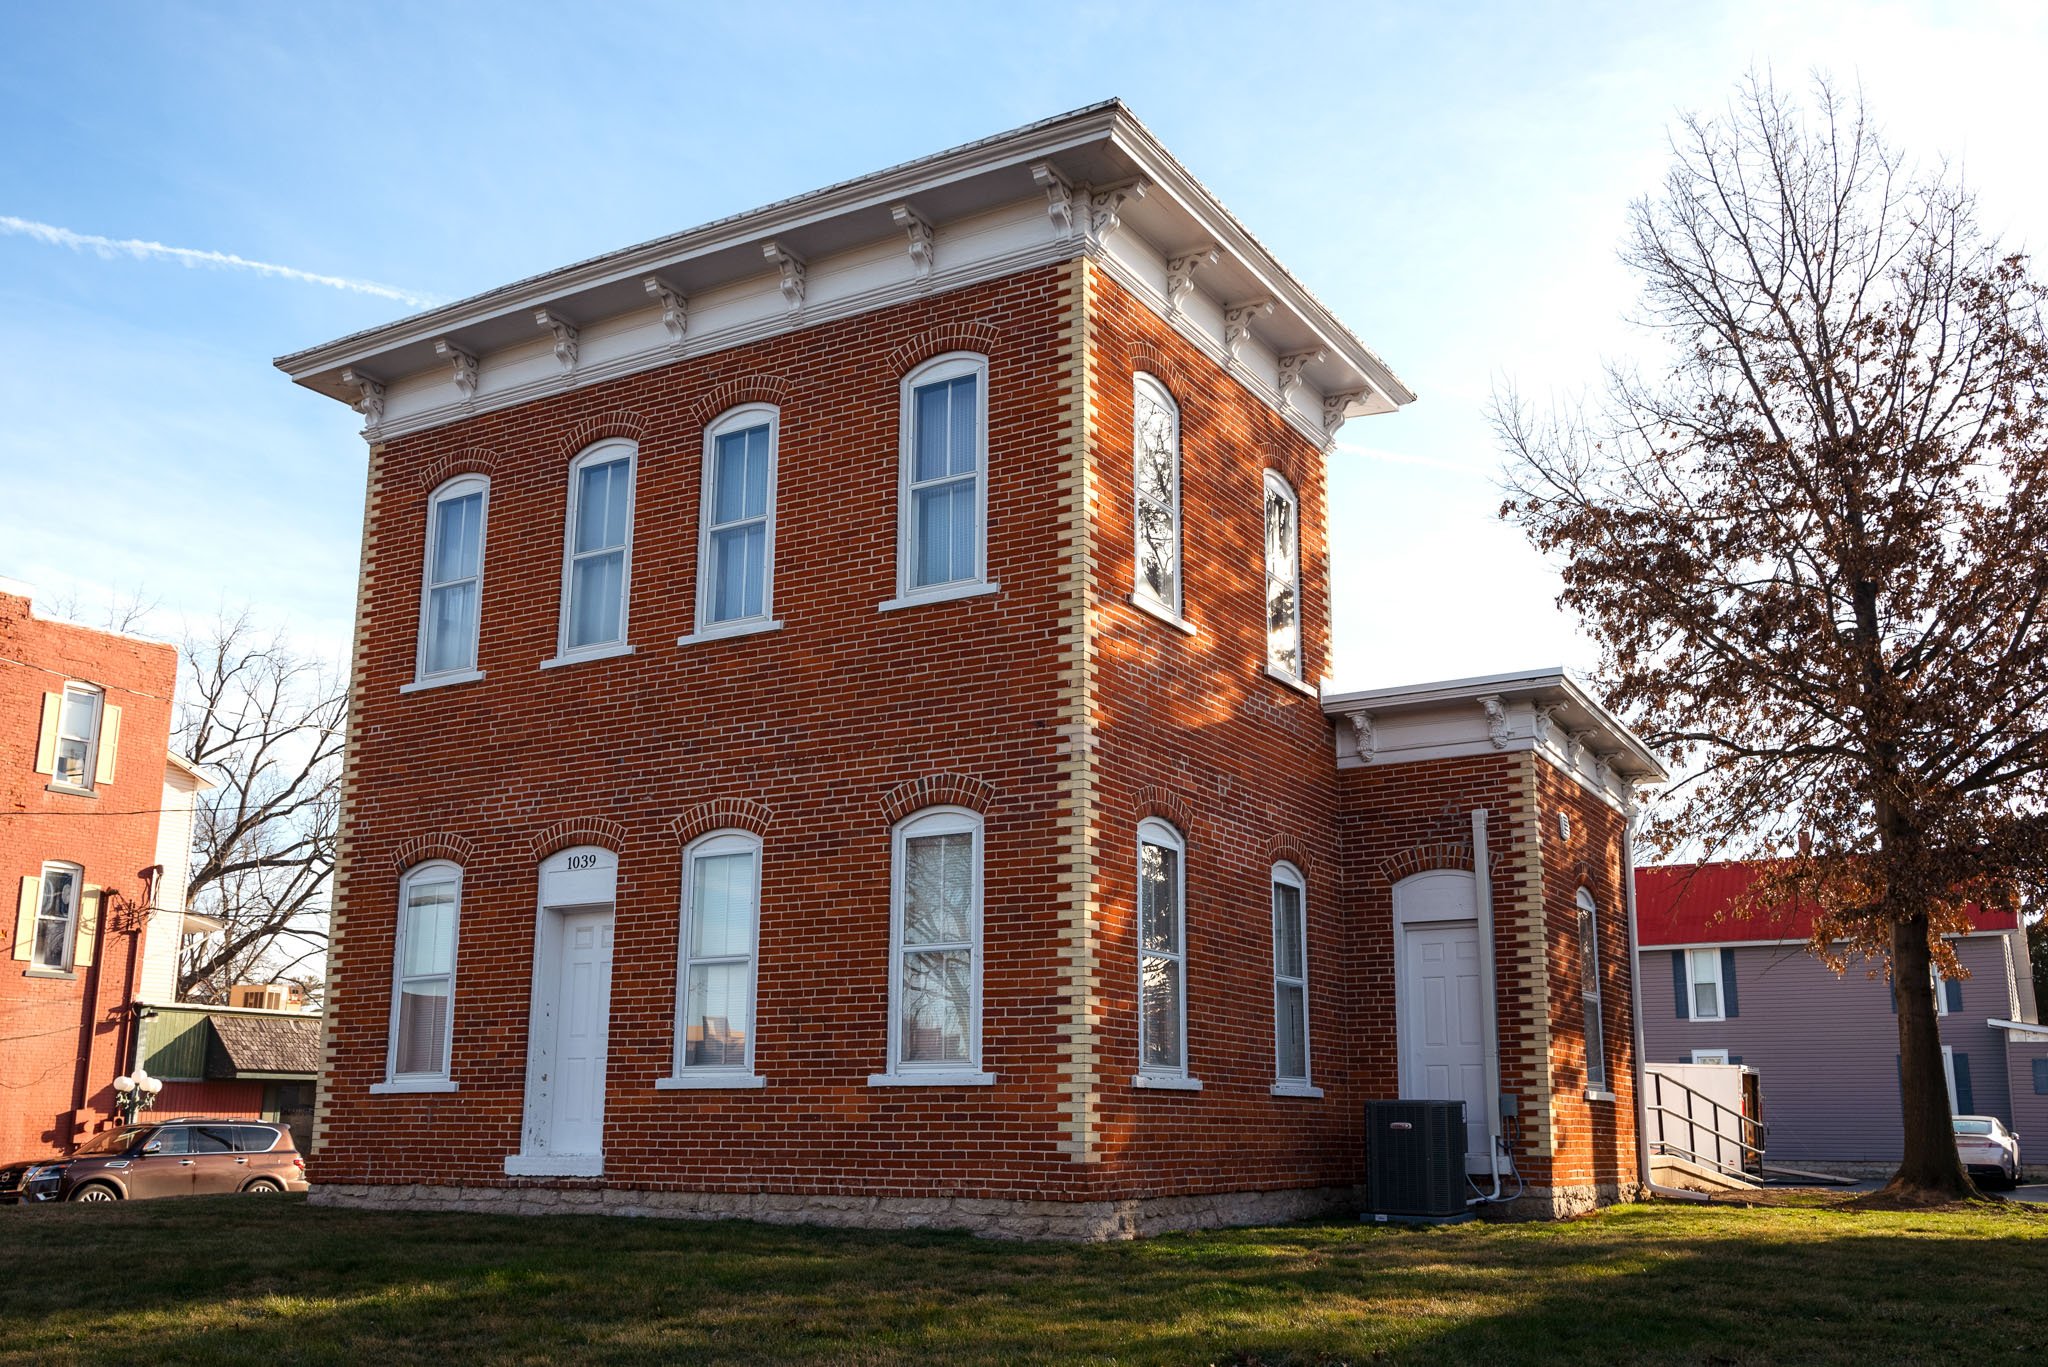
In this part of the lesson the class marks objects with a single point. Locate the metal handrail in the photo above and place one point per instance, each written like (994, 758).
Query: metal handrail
(1743, 1144)
(1694, 1124)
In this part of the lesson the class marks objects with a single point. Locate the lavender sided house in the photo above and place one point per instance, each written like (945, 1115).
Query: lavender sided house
(1721, 989)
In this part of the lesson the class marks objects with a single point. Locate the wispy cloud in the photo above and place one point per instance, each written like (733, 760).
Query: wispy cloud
(143, 250)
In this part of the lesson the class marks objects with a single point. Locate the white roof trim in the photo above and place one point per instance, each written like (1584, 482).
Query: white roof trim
(2019, 1027)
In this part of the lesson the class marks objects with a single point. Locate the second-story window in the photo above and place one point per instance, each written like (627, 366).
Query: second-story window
(78, 737)
(1283, 578)
(1155, 443)
(598, 566)
(736, 561)
(453, 588)
(944, 484)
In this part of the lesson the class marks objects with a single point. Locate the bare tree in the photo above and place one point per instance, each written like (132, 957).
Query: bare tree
(265, 723)
(1814, 545)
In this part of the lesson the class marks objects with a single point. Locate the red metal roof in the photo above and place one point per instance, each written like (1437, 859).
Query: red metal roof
(1686, 904)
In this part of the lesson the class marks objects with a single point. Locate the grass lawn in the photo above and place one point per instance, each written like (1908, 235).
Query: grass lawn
(242, 1280)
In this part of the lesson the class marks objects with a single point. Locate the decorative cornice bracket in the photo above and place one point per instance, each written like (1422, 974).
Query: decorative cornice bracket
(919, 230)
(793, 268)
(464, 362)
(1059, 197)
(1291, 367)
(1362, 735)
(568, 337)
(370, 396)
(1180, 273)
(1106, 208)
(1237, 324)
(675, 307)
(1496, 720)
(1334, 406)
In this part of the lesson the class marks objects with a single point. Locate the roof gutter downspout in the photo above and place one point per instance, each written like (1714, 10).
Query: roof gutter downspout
(1489, 1010)
(1635, 1020)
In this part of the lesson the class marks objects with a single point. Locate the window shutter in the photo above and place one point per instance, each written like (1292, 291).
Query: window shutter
(110, 744)
(1730, 1009)
(1735, 1058)
(25, 919)
(1954, 991)
(2041, 1077)
(46, 741)
(1966, 1100)
(1681, 990)
(1893, 984)
(88, 926)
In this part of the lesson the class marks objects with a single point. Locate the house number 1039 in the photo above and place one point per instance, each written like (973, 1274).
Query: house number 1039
(582, 861)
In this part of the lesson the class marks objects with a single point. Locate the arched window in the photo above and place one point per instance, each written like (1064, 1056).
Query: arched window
(736, 527)
(597, 557)
(1283, 578)
(1589, 992)
(943, 493)
(1290, 976)
(423, 978)
(715, 968)
(1162, 953)
(451, 588)
(1155, 458)
(935, 950)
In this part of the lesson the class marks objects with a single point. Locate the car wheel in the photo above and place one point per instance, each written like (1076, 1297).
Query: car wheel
(96, 1191)
(262, 1187)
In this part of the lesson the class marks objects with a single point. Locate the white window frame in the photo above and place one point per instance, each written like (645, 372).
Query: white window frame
(1275, 481)
(1153, 831)
(434, 870)
(740, 419)
(71, 912)
(702, 1075)
(89, 774)
(969, 1073)
(460, 487)
(1940, 990)
(1711, 957)
(1141, 594)
(1287, 875)
(1710, 1056)
(1592, 1000)
(599, 453)
(950, 366)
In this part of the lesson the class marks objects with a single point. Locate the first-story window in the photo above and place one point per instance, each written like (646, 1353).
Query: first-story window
(721, 913)
(1703, 977)
(454, 577)
(1589, 992)
(935, 980)
(1290, 974)
(1162, 952)
(736, 569)
(598, 558)
(56, 916)
(1283, 578)
(945, 462)
(422, 1019)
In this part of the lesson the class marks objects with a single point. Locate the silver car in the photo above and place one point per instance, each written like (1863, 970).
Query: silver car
(1989, 1150)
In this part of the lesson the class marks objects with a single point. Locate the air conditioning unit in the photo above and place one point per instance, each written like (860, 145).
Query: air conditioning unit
(1415, 1161)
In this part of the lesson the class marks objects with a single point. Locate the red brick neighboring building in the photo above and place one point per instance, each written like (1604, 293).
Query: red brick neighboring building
(85, 721)
(836, 736)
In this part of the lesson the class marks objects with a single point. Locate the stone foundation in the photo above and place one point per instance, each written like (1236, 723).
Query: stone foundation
(1562, 1203)
(993, 1219)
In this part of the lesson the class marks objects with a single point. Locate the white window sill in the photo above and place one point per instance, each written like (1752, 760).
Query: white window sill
(554, 1165)
(45, 971)
(441, 681)
(701, 1080)
(1160, 1083)
(69, 789)
(931, 1079)
(400, 1086)
(948, 593)
(1283, 677)
(1706, 1020)
(1301, 1089)
(1598, 1094)
(1153, 608)
(603, 653)
(725, 631)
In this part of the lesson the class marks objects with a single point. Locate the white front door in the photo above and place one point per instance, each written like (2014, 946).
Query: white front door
(1442, 1058)
(582, 1028)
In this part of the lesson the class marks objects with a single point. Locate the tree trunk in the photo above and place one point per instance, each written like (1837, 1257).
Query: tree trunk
(1931, 1166)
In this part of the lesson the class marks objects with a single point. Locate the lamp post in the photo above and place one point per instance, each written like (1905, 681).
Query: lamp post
(135, 1094)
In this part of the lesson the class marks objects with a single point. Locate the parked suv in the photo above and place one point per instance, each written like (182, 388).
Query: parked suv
(192, 1156)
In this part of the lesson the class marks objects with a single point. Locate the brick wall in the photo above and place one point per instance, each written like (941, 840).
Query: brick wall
(65, 1037)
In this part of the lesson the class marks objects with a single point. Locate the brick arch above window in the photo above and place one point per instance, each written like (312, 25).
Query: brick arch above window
(1142, 356)
(580, 830)
(937, 790)
(456, 849)
(613, 422)
(736, 391)
(1284, 462)
(1168, 805)
(1434, 854)
(734, 813)
(470, 460)
(970, 335)
(1281, 850)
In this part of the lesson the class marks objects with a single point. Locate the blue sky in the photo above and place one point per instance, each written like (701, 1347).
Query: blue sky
(1451, 179)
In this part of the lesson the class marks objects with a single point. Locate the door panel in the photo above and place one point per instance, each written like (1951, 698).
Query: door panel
(1441, 1038)
(166, 1172)
(582, 1034)
(216, 1167)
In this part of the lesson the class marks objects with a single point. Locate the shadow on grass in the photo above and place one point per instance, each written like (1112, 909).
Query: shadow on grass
(267, 1282)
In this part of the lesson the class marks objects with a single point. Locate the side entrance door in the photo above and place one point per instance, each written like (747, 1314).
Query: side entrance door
(1442, 1055)
(582, 1031)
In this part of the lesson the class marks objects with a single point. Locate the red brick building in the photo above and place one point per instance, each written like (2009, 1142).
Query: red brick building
(93, 839)
(836, 736)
